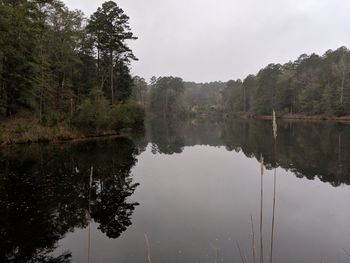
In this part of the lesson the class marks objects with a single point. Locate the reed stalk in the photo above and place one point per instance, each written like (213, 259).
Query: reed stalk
(261, 208)
(253, 239)
(273, 215)
(274, 129)
(216, 255)
(346, 252)
(149, 259)
(243, 259)
(89, 215)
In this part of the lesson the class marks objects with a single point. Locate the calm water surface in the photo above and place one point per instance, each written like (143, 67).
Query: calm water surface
(190, 186)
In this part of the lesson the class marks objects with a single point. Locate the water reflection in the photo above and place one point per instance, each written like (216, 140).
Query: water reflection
(307, 149)
(44, 194)
(45, 191)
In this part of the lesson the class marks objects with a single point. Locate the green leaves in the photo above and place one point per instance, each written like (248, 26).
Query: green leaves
(310, 85)
(110, 30)
(51, 57)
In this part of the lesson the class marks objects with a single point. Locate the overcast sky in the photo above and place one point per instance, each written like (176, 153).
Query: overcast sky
(206, 40)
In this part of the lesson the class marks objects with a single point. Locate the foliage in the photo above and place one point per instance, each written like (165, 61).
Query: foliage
(203, 96)
(126, 115)
(166, 96)
(95, 112)
(52, 119)
(20, 129)
(310, 85)
(52, 57)
(110, 31)
(139, 91)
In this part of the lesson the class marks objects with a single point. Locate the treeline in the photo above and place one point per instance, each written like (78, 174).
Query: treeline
(171, 96)
(312, 85)
(203, 97)
(59, 64)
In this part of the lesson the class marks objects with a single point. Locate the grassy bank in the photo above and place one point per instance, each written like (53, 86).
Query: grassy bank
(22, 130)
(94, 117)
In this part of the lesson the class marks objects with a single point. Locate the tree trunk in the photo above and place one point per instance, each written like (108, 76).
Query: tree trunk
(166, 103)
(60, 89)
(98, 63)
(8, 103)
(41, 85)
(112, 84)
(244, 100)
(342, 87)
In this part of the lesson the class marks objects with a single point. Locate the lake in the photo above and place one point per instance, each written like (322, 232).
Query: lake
(180, 191)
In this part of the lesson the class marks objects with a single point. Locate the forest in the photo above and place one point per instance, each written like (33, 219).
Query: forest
(58, 66)
(61, 71)
(174, 97)
(311, 85)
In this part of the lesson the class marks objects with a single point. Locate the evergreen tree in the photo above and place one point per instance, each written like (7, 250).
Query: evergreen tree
(110, 29)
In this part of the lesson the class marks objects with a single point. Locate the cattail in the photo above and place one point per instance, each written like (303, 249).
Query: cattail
(243, 258)
(253, 238)
(274, 125)
(149, 259)
(89, 235)
(274, 128)
(261, 209)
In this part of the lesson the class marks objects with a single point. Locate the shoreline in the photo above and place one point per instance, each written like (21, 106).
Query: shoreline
(33, 133)
(26, 131)
(57, 140)
(297, 117)
(312, 119)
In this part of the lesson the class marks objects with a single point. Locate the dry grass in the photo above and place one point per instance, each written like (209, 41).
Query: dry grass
(241, 254)
(261, 208)
(274, 129)
(149, 259)
(26, 130)
(22, 130)
(253, 239)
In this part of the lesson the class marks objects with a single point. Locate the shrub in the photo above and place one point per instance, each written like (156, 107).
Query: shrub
(340, 111)
(52, 119)
(126, 115)
(21, 128)
(93, 112)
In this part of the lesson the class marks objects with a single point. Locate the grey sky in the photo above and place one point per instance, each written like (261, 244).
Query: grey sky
(204, 40)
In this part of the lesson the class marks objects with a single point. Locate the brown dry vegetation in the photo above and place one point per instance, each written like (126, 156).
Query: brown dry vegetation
(26, 129)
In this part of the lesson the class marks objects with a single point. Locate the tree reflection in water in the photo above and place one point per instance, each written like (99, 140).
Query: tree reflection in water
(44, 192)
(307, 149)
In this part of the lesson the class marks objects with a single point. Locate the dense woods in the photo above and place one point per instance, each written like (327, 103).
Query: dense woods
(171, 96)
(60, 68)
(59, 65)
(310, 85)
